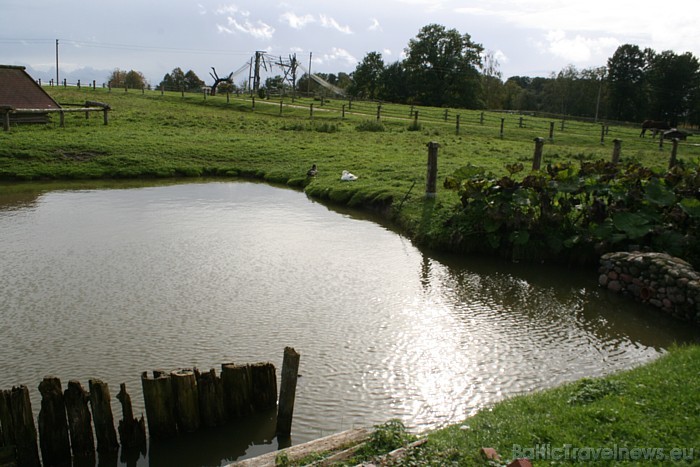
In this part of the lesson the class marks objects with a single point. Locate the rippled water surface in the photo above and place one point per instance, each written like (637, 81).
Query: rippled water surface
(109, 283)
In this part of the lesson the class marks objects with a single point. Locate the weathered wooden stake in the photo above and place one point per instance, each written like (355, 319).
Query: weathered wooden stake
(617, 144)
(211, 398)
(379, 112)
(102, 416)
(7, 434)
(79, 420)
(288, 387)
(457, 128)
(446, 113)
(237, 385)
(551, 131)
(24, 428)
(264, 384)
(503, 120)
(342, 115)
(62, 119)
(602, 134)
(281, 101)
(481, 118)
(53, 426)
(661, 141)
(186, 400)
(415, 118)
(537, 159)
(674, 151)
(431, 182)
(160, 404)
(132, 431)
(520, 122)
(311, 110)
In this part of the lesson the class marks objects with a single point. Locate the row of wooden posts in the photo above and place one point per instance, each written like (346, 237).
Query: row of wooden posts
(90, 106)
(181, 401)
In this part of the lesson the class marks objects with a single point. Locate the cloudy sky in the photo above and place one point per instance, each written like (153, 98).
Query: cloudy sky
(528, 37)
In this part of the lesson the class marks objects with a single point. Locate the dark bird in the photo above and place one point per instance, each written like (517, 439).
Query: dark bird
(312, 171)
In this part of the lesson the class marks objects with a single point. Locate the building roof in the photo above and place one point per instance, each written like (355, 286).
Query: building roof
(19, 90)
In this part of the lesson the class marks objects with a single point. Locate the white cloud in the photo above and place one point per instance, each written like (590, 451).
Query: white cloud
(577, 49)
(387, 52)
(342, 55)
(375, 26)
(259, 30)
(328, 22)
(295, 21)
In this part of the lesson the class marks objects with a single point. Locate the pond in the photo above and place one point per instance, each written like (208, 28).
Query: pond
(108, 283)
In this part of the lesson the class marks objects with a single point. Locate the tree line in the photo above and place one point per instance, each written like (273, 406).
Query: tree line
(445, 68)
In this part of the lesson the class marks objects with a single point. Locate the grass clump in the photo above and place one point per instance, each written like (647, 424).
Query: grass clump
(370, 125)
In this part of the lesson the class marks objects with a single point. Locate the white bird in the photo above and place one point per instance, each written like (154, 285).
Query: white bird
(347, 176)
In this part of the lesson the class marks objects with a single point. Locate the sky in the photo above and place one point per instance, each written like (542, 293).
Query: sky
(527, 37)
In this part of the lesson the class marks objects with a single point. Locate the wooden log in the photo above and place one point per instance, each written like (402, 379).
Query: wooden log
(132, 431)
(211, 398)
(79, 420)
(7, 434)
(264, 384)
(288, 387)
(160, 404)
(102, 417)
(237, 385)
(186, 400)
(53, 426)
(24, 428)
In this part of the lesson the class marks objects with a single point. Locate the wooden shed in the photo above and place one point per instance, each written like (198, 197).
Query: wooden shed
(19, 91)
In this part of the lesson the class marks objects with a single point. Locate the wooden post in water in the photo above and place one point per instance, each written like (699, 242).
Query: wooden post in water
(537, 159)
(102, 417)
(53, 426)
(617, 145)
(211, 398)
(160, 404)
(132, 431)
(24, 428)
(79, 420)
(186, 400)
(238, 387)
(431, 181)
(7, 433)
(264, 384)
(288, 387)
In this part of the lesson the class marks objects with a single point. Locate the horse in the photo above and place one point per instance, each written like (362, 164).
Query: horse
(655, 125)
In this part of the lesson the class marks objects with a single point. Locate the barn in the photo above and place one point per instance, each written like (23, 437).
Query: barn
(19, 91)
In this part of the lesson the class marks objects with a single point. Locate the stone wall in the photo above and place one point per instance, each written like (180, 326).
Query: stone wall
(661, 280)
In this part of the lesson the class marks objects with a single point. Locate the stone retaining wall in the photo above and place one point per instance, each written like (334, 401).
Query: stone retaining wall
(661, 280)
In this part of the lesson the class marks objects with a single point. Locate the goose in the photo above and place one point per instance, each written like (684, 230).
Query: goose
(347, 176)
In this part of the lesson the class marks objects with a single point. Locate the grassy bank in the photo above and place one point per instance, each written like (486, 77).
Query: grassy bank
(163, 136)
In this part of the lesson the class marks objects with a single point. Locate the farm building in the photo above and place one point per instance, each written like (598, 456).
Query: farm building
(19, 91)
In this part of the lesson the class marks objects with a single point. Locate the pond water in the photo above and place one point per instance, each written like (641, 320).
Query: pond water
(107, 283)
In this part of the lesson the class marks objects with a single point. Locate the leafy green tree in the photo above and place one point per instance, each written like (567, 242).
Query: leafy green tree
(444, 67)
(366, 77)
(627, 83)
(130, 79)
(675, 86)
(395, 85)
(177, 80)
(491, 82)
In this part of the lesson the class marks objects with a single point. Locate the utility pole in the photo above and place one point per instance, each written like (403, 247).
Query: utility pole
(56, 62)
(308, 84)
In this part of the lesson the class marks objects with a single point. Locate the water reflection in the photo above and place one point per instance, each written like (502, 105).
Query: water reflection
(109, 283)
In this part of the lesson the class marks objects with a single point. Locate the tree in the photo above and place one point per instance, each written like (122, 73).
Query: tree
(675, 85)
(129, 79)
(367, 77)
(443, 66)
(627, 83)
(177, 80)
(395, 85)
(491, 83)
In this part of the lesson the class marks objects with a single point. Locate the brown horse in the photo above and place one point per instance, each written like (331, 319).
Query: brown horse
(654, 125)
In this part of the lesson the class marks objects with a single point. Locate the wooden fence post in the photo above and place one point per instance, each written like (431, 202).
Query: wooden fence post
(311, 110)
(5, 110)
(102, 417)
(481, 118)
(7, 434)
(288, 387)
(342, 115)
(379, 111)
(520, 122)
(617, 144)
(431, 182)
(551, 131)
(446, 113)
(602, 134)
(503, 120)
(672, 162)
(79, 420)
(53, 426)
(281, 101)
(160, 404)
(537, 159)
(457, 124)
(62, 118)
